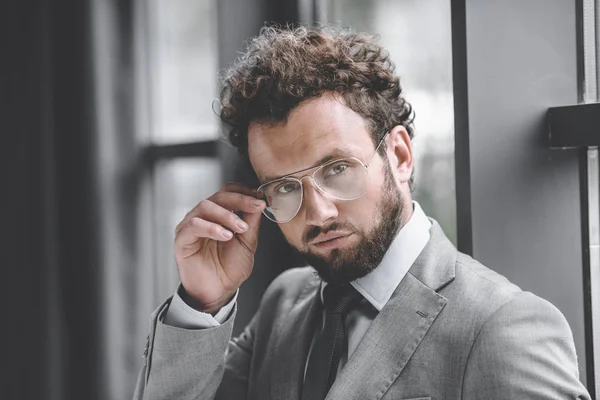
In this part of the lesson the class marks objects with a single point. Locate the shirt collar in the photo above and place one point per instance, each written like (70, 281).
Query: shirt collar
(379, 285)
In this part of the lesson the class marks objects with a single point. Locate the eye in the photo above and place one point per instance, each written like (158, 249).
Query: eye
(286, 187)
(336, 169)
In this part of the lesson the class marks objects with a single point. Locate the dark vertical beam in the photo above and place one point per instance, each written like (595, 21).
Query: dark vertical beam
(24, 228)
(79, 249)
(461, 127)
(49, 245)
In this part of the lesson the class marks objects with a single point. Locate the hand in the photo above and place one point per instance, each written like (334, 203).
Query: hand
(214, 248)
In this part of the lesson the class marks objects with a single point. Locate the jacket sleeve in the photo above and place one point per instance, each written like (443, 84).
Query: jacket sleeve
(525, 350)
(191, 363)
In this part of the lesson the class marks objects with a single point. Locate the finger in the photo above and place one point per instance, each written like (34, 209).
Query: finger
(238, 187)
(212, 212)
(250, 237)
(231, 201)
(198, 228)
(237, 202)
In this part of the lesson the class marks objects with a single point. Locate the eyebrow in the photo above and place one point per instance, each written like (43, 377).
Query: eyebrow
(336, 153)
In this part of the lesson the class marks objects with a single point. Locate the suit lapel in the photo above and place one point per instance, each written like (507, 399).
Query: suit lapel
(389, 342)
(399, 328)
(295, 334)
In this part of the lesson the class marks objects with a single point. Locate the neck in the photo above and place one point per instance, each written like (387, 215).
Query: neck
(407, 210)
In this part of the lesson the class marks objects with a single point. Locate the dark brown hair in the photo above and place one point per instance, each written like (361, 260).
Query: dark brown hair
(284, 67)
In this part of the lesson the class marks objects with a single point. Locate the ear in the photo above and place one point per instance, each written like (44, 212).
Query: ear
(400, 154)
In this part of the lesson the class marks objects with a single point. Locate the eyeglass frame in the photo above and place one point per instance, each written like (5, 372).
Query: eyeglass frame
(312, 176)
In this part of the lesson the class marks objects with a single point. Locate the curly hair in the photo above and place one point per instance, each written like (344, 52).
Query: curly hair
(285, 67)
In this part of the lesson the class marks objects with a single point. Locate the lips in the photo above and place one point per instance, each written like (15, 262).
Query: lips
(328, 237)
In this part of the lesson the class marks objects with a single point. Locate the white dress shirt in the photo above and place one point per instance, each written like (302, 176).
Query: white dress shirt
(376, 287)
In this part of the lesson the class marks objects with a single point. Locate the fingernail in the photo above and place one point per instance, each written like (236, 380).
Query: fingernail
(242, 224)
(257, 203)
(227, 234)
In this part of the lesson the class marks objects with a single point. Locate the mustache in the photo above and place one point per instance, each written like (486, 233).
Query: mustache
(315, 231)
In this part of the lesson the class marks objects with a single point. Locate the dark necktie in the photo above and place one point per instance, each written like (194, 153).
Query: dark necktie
(333, 340)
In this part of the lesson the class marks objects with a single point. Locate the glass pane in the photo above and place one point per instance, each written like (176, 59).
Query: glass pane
(417, 34)
(184, 70)
(180, 185)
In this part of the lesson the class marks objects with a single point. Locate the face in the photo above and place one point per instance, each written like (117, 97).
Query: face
(342, 240)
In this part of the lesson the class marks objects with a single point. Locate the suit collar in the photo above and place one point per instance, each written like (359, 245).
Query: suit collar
(436, 265)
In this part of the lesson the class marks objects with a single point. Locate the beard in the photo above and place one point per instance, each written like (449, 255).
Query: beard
(342, 266)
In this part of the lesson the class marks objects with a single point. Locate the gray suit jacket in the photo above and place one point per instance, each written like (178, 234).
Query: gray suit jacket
(453, 329)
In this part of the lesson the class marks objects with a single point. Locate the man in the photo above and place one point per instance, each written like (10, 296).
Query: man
(394, 311)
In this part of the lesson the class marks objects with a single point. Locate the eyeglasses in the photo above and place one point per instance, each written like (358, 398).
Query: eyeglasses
(341, 179)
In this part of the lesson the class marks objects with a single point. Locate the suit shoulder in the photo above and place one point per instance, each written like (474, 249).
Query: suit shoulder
(523, 349)
(530, 307)
(474, 278)
(486, 294)
(479, 272)
(477, 291)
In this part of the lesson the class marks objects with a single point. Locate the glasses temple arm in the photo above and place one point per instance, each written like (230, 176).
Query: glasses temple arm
(376, 149)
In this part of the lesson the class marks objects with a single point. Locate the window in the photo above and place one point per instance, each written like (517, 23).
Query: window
(183, 84)
(184, 70)
(180, 184)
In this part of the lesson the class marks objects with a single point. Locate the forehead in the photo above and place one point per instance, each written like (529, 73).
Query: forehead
(314, 130)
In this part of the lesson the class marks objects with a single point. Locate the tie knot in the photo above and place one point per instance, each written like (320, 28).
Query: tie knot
(340, 298)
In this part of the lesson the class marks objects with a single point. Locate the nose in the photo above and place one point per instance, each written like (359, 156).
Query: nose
(318, 207)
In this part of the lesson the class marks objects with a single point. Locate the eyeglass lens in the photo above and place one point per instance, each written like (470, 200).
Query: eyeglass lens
(345, 179)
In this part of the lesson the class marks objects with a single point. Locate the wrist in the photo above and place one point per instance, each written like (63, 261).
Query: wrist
(208, 308)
